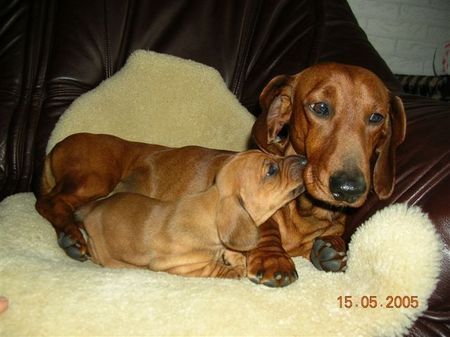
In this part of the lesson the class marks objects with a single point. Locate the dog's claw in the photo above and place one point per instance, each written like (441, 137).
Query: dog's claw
(75, 253)
(260, 275)
(257, 277)
(71, 247)
(277, 282)
(328, 254)
(65, 241)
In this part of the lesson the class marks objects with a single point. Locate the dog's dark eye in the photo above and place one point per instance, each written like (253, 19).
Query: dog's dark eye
(272, 170)
(321, 109)
(376, 118)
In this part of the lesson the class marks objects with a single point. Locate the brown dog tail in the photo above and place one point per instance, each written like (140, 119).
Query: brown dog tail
(47, 179)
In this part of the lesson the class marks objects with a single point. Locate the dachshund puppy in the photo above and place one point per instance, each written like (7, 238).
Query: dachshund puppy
(201, 234)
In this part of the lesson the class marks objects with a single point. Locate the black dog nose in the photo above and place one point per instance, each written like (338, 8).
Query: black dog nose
(347, 186)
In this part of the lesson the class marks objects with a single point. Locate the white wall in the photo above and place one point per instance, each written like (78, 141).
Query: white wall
(407, 32)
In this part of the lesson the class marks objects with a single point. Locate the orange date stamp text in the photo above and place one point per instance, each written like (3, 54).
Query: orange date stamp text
(372, 302)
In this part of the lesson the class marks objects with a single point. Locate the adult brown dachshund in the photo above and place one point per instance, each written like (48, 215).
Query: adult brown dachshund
(348, 125)
(200, 234)
(341, 117)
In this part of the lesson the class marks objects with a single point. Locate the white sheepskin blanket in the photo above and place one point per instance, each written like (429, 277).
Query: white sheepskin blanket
(161, 99)
(395, 253)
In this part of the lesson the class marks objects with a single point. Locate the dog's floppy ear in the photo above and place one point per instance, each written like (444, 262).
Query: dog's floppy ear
(270, 128)
(384, 170)
(236, 228)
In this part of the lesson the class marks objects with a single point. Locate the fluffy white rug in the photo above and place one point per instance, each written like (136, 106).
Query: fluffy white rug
(162, 99)
(395, 253)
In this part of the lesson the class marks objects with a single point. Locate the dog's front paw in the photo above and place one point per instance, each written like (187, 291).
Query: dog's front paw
(73, 243)
(271, 268)
(329, 254)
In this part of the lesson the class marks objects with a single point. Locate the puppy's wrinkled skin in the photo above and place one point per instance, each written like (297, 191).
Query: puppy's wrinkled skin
(200, 234)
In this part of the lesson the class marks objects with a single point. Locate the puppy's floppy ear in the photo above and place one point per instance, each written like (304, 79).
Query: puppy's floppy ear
(270, 128)
(384, 170)
(236, 228)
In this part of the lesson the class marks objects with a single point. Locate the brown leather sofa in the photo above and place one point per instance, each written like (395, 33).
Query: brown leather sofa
(54, 51)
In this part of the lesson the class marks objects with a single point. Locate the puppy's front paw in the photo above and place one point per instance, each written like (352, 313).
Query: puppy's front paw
(329, 254)
(271, 268)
